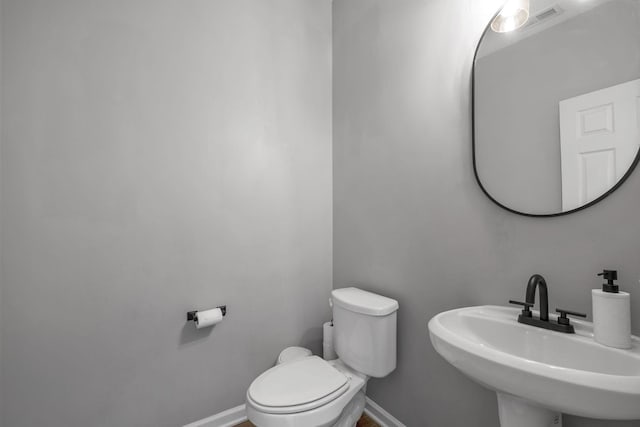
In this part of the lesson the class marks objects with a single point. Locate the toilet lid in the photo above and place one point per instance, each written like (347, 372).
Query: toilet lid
(297, 383)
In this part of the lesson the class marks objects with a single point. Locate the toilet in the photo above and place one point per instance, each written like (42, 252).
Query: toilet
(303, 390)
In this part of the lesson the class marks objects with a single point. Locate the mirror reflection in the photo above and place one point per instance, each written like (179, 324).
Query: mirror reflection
(557, 102)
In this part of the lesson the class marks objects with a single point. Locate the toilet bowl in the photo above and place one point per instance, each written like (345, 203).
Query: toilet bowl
(306, 391)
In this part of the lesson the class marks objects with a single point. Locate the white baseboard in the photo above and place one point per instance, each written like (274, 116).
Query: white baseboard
(380, 416)
(237, 415)
(229, 418)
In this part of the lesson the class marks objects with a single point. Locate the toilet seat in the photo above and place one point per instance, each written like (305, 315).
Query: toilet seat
(297, 386)
(323, 412)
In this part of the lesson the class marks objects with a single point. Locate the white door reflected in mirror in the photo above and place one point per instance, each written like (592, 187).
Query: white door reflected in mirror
(599, 139)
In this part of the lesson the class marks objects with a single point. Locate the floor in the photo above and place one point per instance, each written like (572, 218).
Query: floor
(365, 421)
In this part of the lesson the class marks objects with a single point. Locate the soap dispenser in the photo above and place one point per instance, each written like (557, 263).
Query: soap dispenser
(611, 313)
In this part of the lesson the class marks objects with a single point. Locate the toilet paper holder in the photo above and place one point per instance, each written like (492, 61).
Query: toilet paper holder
(192, 316)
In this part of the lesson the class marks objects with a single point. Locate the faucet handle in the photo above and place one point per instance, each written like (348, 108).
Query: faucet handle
(525, 307)
(563, 319)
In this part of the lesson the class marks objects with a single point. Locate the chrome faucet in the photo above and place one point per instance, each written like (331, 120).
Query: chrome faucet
(563, 325)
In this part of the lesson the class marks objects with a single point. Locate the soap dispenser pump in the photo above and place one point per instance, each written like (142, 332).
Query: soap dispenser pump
(611, 313)
(610, 276)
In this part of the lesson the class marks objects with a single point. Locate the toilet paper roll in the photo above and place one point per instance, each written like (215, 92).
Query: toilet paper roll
(328, 352)
(612, 318)
(208, 318)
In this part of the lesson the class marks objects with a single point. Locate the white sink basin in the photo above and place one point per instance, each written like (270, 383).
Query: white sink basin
(538, 371)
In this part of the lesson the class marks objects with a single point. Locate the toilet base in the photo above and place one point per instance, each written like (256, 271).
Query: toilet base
(353, 411)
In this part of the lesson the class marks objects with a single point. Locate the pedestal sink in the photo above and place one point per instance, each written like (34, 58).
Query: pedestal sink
(539, 374)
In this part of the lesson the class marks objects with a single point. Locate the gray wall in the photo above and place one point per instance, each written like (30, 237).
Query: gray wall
(517, 93)
(159, 156)
(409, 219)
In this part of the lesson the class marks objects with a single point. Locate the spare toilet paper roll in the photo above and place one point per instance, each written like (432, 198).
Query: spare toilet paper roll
(208, 318)
(328, 352)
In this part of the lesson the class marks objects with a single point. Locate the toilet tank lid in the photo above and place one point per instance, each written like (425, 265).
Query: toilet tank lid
(359, 301)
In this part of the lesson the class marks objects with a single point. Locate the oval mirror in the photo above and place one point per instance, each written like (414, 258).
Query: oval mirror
(556, 103)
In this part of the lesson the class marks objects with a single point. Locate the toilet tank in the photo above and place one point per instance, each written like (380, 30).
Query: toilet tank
(364, 330)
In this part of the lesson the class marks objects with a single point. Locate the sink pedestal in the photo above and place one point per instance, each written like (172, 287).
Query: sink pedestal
(517, 412)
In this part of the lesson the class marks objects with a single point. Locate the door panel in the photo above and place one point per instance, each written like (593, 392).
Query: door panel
(600, 137)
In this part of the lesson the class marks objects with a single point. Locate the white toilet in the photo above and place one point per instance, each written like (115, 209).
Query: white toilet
(307, 391)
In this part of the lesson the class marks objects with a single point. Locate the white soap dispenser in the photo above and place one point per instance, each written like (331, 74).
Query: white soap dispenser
(611, 313)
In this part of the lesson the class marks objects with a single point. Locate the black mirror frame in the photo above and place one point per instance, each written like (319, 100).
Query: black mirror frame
(473, 149)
